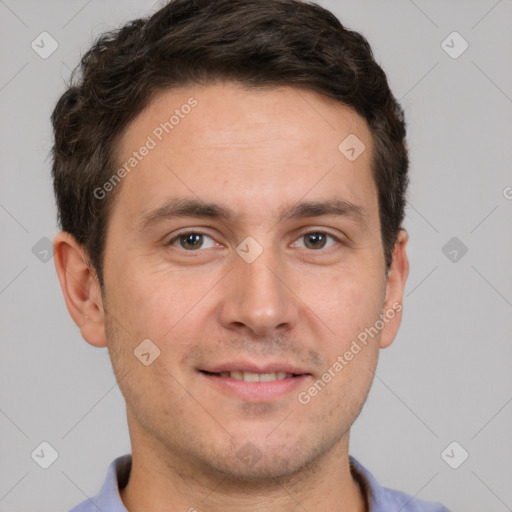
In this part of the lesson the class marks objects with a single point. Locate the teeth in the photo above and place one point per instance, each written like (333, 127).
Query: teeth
(256, 377)
(251, 377)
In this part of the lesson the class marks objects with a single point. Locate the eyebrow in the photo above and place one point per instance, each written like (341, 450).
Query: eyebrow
(332, 207)
(195, 208)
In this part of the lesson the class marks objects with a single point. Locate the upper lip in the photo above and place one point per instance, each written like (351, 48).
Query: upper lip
(244, 366)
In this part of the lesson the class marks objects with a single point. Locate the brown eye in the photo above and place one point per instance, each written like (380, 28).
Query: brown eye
(191, 241)
(315, 240)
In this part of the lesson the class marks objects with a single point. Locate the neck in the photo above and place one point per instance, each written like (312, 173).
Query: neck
(168, 482)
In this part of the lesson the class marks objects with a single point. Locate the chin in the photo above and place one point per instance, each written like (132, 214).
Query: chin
(265, 471)
(268, 464)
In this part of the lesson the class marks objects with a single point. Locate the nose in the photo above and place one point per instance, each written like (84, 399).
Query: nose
(258, 300)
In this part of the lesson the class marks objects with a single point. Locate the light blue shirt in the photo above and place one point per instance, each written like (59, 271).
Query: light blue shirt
(381, 499)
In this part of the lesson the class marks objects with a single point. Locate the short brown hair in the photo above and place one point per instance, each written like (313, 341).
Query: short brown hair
(252, 42)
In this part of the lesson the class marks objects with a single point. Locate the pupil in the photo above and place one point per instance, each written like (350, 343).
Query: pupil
(191, 241)
(315, 240)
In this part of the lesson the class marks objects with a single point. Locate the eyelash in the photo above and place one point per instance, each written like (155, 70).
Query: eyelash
(195, 232)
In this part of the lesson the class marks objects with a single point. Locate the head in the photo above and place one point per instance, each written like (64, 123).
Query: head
(230, 179)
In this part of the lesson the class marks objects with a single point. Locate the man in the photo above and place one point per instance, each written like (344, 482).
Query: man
(230, 177)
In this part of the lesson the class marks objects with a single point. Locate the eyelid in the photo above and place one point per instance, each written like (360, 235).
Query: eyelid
(200, 231)
(336, 238)
(188, 231)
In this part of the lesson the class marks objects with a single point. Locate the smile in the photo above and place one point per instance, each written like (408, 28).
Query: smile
(252, 376)
(250, 383)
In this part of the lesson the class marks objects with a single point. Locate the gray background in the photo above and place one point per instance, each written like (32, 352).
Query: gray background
(446, 378)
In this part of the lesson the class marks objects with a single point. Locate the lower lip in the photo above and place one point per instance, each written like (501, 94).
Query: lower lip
(257, 391)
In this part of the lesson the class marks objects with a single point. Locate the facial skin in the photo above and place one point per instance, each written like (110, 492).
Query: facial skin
(257, 154)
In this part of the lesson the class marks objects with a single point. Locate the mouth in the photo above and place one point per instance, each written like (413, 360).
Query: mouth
(252, 383)
(253, 376)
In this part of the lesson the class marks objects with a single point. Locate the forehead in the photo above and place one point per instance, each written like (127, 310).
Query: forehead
(234, 143)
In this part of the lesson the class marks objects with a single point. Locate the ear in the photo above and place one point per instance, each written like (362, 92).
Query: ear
(395, 283)
(80, 287)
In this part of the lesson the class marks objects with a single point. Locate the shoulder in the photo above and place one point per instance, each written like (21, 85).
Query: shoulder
(382, 499)
(108, 499)
(85, 506)
(391, 499)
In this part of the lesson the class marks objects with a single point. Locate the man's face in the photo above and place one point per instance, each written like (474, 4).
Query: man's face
(264, 256)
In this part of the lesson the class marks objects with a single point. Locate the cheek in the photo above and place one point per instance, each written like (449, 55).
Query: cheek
(348, 302)
(170, 310)
(145, 309)
(150, 304)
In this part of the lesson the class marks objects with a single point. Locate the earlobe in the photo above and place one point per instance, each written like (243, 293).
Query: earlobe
(395, 284)
(80, 288)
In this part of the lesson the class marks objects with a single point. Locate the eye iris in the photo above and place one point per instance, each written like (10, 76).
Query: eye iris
(191, 241)
(315, 240)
